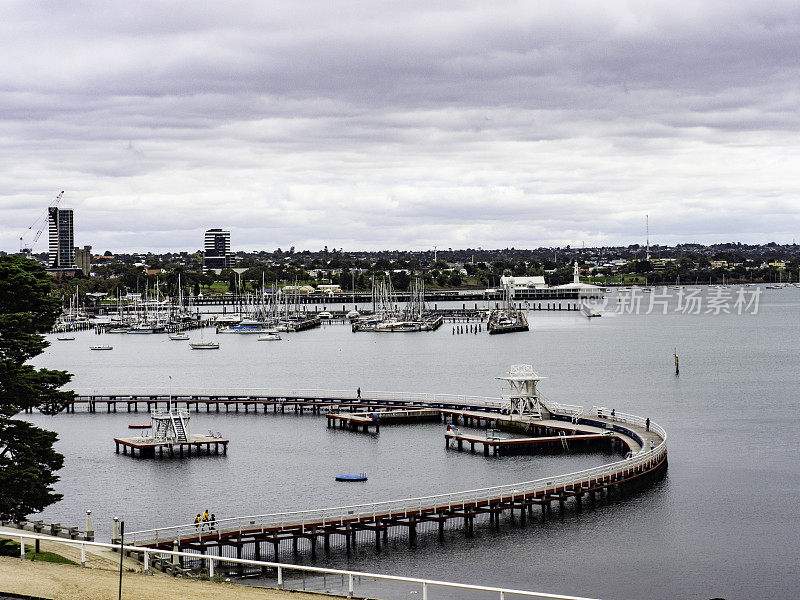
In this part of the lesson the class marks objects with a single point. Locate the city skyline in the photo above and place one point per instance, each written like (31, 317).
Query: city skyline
(403, 126)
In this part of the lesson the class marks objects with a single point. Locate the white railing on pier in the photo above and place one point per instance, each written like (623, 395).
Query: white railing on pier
(558, 408)
(341, 515)
(404, 507)
(184, 394)
(212, 563)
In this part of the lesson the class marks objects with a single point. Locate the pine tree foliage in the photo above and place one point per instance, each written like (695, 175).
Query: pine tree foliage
(28, 460)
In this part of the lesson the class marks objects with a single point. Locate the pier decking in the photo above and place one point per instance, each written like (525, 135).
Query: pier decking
(147, 447)
(564, 428)
(502, 446)
(366, 420)
(311, 529)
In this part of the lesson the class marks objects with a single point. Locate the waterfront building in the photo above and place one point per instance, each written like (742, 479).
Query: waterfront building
(576, 283)
(62, 239)
(217, 250)
(522, 283)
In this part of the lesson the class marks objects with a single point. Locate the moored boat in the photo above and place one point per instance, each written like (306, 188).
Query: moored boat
(205, 346)
(269, 337)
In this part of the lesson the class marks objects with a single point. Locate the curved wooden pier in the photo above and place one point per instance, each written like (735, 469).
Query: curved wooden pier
(344, 525)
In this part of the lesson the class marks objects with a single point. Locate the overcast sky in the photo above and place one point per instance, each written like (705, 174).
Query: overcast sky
(373, 125)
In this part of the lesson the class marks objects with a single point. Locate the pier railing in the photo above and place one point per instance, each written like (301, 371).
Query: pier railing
(263, 394)
(411, 507)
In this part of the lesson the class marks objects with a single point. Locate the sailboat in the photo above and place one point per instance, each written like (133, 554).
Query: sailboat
(204, 345)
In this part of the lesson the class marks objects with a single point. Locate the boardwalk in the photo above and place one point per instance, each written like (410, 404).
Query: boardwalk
(311, 531)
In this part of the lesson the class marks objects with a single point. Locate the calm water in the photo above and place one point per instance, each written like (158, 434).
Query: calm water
(724, 522)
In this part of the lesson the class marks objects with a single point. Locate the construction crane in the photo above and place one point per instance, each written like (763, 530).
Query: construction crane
(41, 221)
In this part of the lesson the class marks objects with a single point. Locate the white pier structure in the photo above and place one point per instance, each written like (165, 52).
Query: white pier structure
(524, 398)
(170, 435)
(170, 426)
(644, 462)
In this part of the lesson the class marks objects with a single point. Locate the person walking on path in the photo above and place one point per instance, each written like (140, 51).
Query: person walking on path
(197, 522)
(651, 445)
(205, 520)
(358, 394)
(212, 522)
(647, 424)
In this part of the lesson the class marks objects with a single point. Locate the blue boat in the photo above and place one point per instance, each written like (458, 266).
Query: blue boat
(360, 477)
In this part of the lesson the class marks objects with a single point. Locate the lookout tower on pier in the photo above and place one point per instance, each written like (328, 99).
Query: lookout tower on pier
(170, 426)
(523, 397)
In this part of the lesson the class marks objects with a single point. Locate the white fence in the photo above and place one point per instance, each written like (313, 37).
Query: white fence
(281, 568)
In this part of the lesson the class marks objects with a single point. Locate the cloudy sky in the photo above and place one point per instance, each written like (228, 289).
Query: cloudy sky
(370, 125)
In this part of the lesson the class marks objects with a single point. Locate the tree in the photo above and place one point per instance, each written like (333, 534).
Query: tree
(400, 280)
(27, 459)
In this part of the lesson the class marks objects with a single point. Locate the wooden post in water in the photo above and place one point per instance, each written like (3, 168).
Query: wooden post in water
(677, 365)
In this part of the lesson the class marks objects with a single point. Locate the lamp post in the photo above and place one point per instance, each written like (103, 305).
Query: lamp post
(121, 554)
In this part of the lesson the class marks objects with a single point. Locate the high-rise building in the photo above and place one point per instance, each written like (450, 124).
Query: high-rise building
(62, 242)
(217, 250)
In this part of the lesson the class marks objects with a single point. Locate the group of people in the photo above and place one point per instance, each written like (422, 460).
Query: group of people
(203, 520)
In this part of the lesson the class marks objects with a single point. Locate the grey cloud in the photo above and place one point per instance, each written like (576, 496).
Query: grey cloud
(422, 121)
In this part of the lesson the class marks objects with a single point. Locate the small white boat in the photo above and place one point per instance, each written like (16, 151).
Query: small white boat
(65, 338)
(325, 315)
(178, 336)
(353, 314)
(269, 337)
(205, 346)
(140, 329)
(101, 347)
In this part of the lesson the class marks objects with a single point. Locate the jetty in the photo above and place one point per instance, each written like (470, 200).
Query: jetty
(147, 448)
(171, 436)
(534, 445)
(538, 423)
(366, 421)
